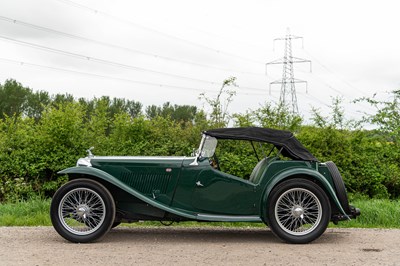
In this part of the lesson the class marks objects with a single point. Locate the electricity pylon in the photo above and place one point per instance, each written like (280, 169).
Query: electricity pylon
(288, 81)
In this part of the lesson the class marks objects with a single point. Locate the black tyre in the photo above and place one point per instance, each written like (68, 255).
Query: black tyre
(340, 188)
(115, 224)
(82, 210)
(298, 211)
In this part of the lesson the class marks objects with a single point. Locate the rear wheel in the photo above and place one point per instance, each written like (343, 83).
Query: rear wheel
(298, 211)
(82, 210)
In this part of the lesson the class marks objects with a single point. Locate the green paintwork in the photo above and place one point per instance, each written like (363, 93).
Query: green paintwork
(206, 190)
(111, 179)
(154, 177)
(176, 186)
(118, 170)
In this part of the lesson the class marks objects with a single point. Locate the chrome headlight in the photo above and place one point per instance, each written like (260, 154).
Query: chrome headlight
(84, 162)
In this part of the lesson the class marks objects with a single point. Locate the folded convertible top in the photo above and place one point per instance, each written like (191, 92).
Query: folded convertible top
(292, 147)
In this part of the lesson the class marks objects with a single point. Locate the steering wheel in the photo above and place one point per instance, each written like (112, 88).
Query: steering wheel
(214, 162)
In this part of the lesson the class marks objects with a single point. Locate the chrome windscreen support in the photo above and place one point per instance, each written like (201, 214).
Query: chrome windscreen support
(198, 152)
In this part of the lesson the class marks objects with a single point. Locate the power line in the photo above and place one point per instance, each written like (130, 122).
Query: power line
(332, 73)
(160, 85)
(102, 61)
(315, 99)
(343, 94)
(169, 36)
(112, 63)
(21, 63)
(119, 65)
(153, 55)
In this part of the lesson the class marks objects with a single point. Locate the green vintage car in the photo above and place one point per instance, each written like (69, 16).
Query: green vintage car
(288, 189)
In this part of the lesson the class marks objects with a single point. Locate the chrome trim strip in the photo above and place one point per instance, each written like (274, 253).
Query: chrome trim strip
(174, 158)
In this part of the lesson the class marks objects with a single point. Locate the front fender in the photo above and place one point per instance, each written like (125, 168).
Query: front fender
(296, 173)
(112, 180)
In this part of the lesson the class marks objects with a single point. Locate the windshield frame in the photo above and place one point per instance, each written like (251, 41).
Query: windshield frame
(200, 153)
(209, 145)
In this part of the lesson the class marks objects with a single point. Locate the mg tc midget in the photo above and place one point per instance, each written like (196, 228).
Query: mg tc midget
(289, 190)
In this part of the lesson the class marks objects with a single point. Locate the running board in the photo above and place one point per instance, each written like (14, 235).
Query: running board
(227, 218)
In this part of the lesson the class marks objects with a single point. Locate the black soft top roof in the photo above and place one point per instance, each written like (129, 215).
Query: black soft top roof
(292, 147)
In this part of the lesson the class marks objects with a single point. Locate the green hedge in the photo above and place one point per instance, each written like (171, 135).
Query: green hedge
(33, 149)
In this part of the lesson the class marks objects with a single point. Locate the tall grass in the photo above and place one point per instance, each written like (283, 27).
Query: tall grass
(375, 213)
(33, 212)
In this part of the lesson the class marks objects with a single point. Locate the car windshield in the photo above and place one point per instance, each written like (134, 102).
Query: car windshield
(208, 149)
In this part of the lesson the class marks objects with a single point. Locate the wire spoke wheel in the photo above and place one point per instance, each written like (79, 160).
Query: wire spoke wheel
(298, 211)
(82, 211)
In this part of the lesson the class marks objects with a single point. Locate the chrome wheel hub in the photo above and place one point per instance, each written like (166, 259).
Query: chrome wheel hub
(83, 211)
(298, 212)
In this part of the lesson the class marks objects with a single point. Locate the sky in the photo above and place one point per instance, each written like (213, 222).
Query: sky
(156, 51)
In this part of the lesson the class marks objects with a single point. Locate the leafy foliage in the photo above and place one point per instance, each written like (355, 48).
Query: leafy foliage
(219, 116)
(270, 116)
(42, 134)
(182, 113)
(368, 160)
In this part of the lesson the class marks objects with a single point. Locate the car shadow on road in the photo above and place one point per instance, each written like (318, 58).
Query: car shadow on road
(207, 234)
(189, 234)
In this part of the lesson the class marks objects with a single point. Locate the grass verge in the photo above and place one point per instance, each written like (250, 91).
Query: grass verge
(375, 213)
(33, 212)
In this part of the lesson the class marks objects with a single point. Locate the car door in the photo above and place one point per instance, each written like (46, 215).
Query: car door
(217, 192)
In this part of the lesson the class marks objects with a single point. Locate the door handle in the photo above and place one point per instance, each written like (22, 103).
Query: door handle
(199, 184)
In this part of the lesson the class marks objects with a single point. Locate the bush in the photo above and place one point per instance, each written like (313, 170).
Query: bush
(33, 148)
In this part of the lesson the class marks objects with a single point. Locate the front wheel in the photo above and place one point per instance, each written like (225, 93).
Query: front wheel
(82, 210)
(298, 211)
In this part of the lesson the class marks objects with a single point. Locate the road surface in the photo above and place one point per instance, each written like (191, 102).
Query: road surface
(198, 246)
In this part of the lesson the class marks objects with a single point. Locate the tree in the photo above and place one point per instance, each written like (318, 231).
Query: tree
(387, 119)
(178, 113)
(269, 116)
(152, 111)
(219, 105)
(13, 98)
(337, 118)
(36, 104)
(60, 99)
(134, 108)
(279, 117)
(17, 100)
(387, 116)
(184, 113)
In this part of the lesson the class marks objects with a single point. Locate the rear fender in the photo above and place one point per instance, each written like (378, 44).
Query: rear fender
(112, 180)
(293, 173)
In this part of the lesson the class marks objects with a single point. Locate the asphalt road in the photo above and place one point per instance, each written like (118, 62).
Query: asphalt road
(198, 246)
